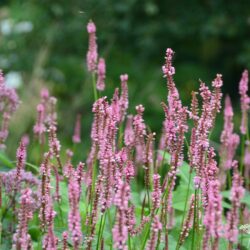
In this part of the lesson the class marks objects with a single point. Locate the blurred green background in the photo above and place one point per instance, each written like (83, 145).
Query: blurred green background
(44, 43)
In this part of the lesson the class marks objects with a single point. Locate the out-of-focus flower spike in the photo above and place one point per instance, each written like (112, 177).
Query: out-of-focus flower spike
(9, 103)
(194, 108)
(92, 50)
(247, 162)
(124, 96)
(217, 95)
(245, 101)
(101, 75)
(39, 128)
(77, 132)
(54, 144)
(237, 192)
(140, 132)
(21, 159)
(129, 136)
(229, 140)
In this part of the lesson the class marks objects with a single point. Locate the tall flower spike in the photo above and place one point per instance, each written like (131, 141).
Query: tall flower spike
(74, 218)
(101, 75)
(124, 96)
(39, 128)
(168, 69)
(149, 158)
(245, 101)
(216, 97)
(213, 215)
(44, 189)
(54, 144)
(21, 158)
(129, 136)
(9, 103)
(237, 192)
(140, 132)
(156, 227)
(229, 140)
(92, 51)
(188, 222)
(77, 132)
(247, 162)
(50, 241)
(51, 118)
(156, 195)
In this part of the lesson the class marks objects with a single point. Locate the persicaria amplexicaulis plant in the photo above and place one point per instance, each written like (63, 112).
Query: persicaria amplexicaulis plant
(138, 189)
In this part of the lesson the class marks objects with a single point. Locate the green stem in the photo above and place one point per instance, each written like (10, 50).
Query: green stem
(104, 222)
(99, 233)
(194, 221)
(148, 228)
(148, 198)
(229, 179)
(184, 213)
(94, 86)
(146, 236)
(129, 242)
(242, 153)
(94, 170)
(120, 137)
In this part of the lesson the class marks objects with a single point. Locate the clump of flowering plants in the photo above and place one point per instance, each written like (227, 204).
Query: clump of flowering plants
(192, 196)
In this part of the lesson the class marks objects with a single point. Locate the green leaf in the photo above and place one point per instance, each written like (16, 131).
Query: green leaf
(35, 232)
(179, 198)
(246, 198)
(5, 161)
(226, 205)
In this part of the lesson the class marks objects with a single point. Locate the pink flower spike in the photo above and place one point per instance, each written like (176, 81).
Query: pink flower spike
(77, 133)
(124, 96)
(44, 94)
(156, 195)
(245, 101)
(21, 239)
(168, 69)
(101, 75)
(92, 51)
(39, 128)
(129, 135)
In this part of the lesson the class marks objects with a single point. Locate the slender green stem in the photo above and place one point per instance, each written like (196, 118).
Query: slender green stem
(103, 226)
(184, 212)
(99, 233)
(148, 228)
(148, 197)
(120, 137)
(243, 137)
(229, 179)
(129, 242)
(1, 227)
(94, 86)
(94, 173)
(146, 236)
(194, 221)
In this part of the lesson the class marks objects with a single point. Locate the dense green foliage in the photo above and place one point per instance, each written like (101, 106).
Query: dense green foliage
(132, 36)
